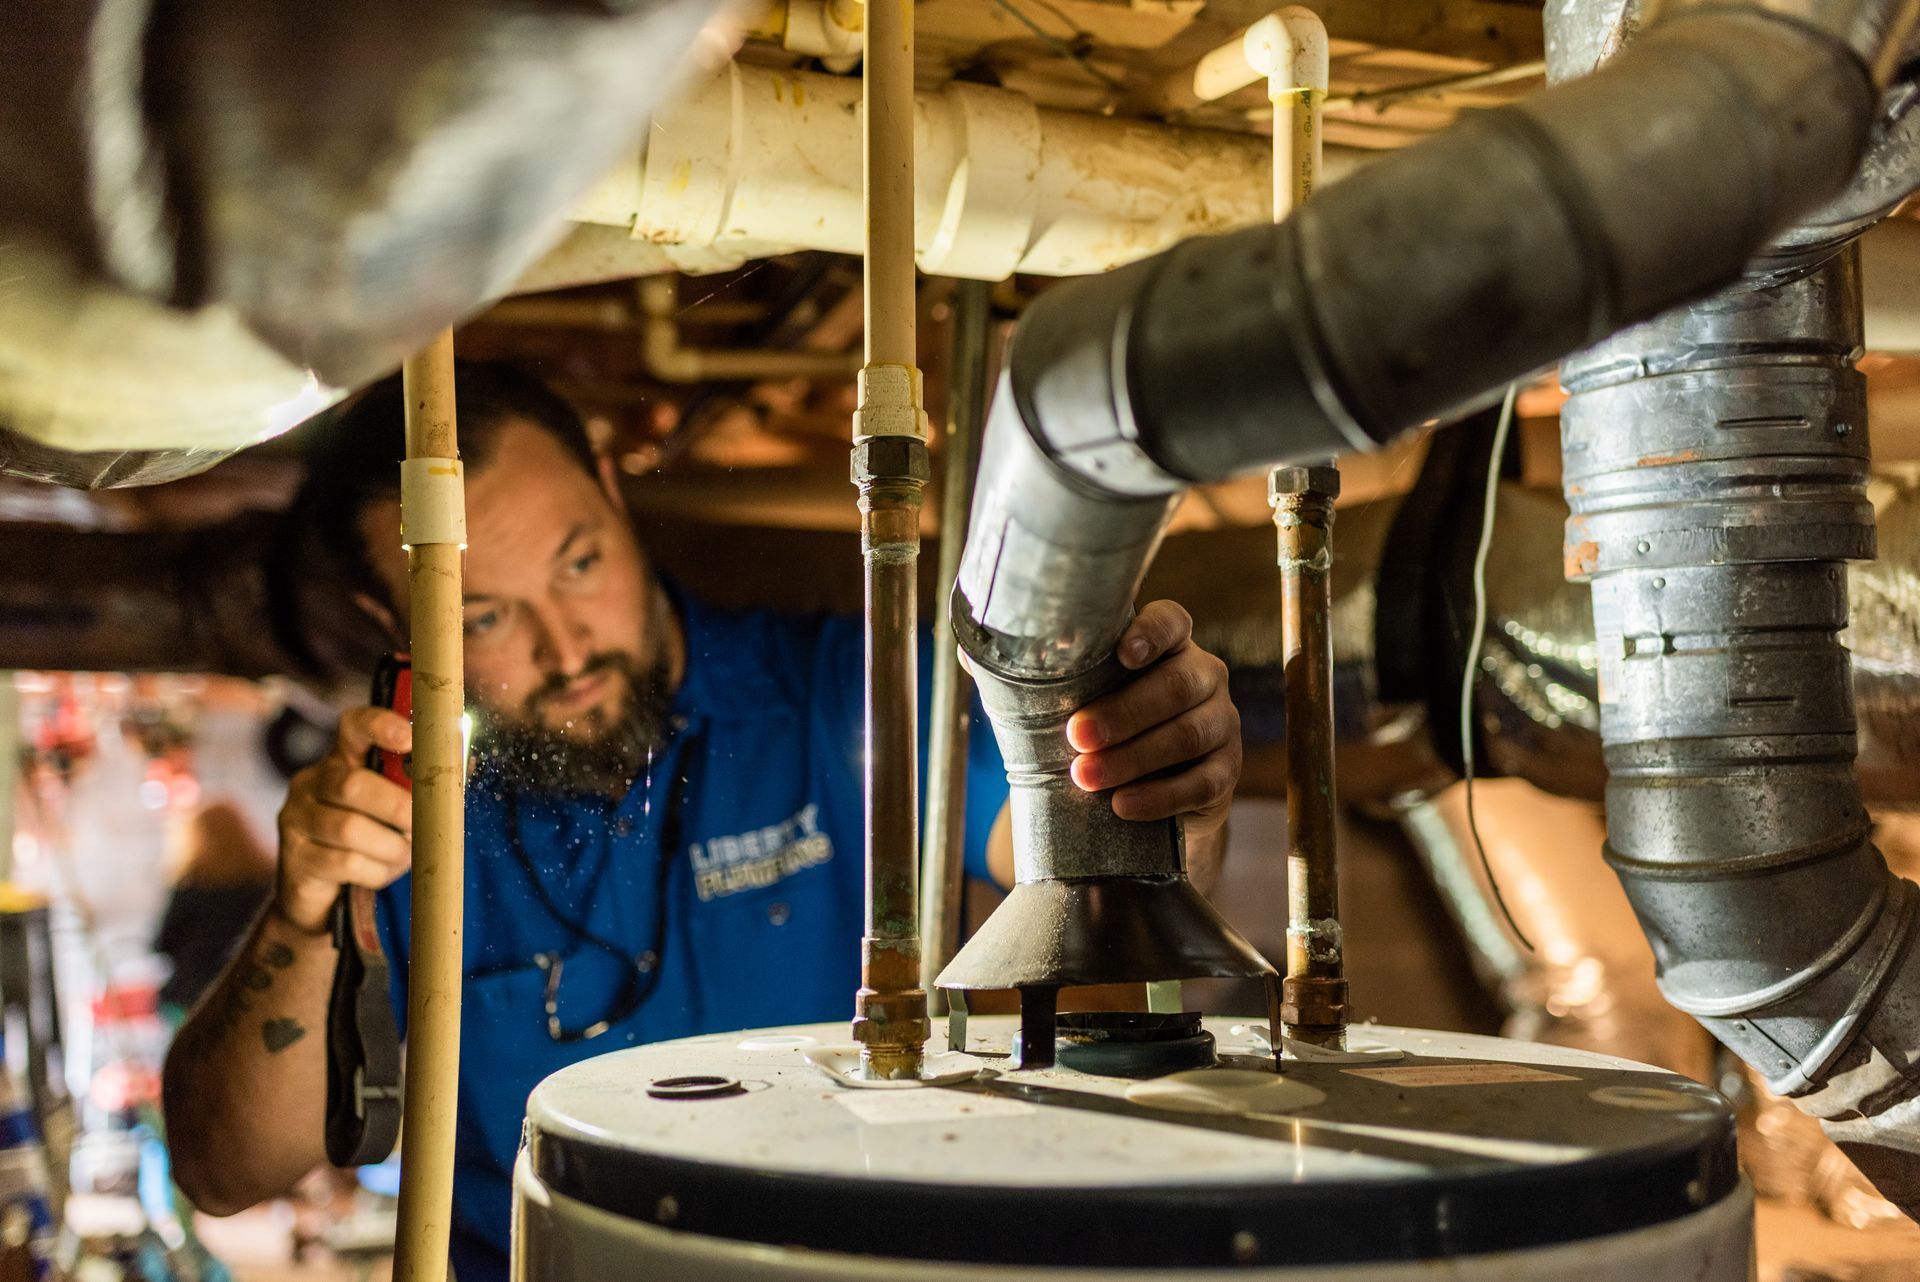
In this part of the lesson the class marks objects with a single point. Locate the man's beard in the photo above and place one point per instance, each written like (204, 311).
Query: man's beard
(535, 759)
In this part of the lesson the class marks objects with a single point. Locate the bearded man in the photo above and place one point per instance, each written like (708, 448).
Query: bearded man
(663, 823)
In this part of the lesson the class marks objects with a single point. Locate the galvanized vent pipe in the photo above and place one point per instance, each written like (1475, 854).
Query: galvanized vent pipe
(1404, 293)
(1716, 465)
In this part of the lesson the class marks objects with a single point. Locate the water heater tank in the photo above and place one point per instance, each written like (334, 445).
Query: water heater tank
(1468, 1158)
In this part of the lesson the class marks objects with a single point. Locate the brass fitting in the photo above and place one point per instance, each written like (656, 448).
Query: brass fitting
(1309, 1004)
(890, 1010)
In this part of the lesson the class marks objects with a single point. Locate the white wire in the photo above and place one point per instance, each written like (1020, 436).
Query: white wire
(1499, 452)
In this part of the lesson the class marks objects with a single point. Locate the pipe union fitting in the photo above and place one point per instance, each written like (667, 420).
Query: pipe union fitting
(890, 458)
(1313, 1003)
(892, 1019)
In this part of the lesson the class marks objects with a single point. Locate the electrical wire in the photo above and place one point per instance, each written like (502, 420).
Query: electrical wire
(1059, 46)
(1473, 649)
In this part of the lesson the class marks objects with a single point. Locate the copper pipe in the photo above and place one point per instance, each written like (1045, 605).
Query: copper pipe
(1314, 993)
(890, 1019)
(435, 536)
(943, 854)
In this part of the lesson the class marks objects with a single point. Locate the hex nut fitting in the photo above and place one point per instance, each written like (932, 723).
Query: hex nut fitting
(890, 458)
(1303, 478)
(1313, 1003)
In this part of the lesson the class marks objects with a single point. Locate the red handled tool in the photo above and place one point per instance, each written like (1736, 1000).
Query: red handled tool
(363, 1037)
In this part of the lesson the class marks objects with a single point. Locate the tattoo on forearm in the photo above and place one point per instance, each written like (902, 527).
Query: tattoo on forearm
(278, 1034)
(254, 976)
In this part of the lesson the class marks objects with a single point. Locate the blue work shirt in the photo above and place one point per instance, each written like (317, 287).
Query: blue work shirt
(758, 790)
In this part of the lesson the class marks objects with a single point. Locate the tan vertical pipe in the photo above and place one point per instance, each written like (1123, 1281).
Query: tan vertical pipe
(890, 467)
(887, 152)
(1296, 147)
(439, 844)
(1313, 1005)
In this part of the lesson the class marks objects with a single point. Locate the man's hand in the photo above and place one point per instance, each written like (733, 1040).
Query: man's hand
(342, 824)
(1174, 717)
(245, 1083)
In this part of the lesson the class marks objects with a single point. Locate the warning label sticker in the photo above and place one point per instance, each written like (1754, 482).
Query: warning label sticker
(1459, 1075)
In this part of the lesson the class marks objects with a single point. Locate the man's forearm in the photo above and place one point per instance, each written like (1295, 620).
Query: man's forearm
(245, 1083)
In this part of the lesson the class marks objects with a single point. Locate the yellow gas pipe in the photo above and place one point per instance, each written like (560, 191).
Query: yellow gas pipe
(433, 529)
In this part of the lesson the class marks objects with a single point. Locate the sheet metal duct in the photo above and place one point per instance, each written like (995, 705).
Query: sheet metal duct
(1715, 461)
(1399, 295)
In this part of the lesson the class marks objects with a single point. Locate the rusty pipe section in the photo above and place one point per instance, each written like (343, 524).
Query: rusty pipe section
(1313, 996)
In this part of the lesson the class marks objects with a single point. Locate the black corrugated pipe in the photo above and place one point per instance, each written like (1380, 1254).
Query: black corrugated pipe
(253, 596)
(1715, 461)
(1403, 293)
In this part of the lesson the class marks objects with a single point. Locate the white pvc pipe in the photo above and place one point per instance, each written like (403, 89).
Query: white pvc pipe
(1289, 48)
(760, 156)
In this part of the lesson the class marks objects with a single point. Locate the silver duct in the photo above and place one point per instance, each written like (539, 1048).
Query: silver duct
(1542, 228)
(1715, 461)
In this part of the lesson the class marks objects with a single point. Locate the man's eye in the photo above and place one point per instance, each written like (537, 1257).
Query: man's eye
(583, 563)
(481, 624)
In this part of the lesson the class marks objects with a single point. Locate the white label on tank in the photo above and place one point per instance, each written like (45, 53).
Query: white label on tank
(883, 1107)
(1459, 1075)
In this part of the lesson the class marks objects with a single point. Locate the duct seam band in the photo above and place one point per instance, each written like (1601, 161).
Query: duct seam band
(433, 506)
(1575, 204)
(1761, 999)
(1813, 1067)
(1737, 866)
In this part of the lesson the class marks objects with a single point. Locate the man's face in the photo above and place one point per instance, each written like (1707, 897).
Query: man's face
(564, 624)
